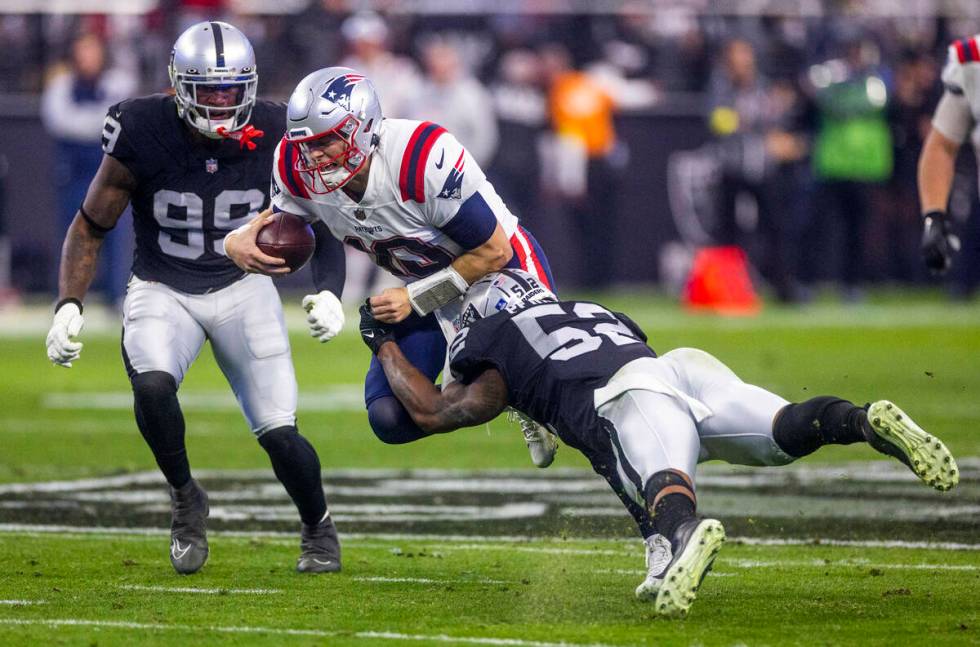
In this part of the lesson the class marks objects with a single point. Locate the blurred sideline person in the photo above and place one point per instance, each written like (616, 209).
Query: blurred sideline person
(409, 195)
(757, 151)
(73, 107)
(590, 158)
(194, 166)
(955, 119)
(451, 97)
(643, 421)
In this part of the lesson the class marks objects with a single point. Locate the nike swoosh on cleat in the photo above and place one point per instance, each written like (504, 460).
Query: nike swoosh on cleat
(324, 563)
(178, 552)
(369, 335)
(441, 159)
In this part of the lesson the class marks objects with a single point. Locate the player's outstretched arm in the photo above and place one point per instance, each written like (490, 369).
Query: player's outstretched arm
(107, 197)
(433, 410)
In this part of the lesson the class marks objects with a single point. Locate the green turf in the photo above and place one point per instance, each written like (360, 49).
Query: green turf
(921, 353)
(755, 596)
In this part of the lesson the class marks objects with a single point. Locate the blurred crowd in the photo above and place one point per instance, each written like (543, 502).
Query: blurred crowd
(812, 125)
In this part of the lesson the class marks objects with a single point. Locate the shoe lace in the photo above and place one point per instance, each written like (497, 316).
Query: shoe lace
(658, 555)
(528, 426)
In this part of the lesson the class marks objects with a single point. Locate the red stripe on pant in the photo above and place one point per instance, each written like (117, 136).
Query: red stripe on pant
(529, 260)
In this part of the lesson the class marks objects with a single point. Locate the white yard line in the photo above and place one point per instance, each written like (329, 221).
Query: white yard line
(425, 580)
(21, 603)
(282, 631)
(504, 542)
(190, 589)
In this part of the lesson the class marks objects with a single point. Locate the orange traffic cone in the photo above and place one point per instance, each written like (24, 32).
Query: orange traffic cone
(719, 282)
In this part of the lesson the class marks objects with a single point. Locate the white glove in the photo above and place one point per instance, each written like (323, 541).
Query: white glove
(68, 322)
(325, 315)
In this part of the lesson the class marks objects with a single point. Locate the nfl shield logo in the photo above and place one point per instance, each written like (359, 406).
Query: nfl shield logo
(211, 165)
(360, 215)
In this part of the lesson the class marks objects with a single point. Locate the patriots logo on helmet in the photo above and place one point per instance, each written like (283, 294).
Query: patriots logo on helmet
(340, 89)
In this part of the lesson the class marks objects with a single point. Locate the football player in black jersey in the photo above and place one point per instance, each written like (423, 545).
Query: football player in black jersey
(194, 166)
(643, 421)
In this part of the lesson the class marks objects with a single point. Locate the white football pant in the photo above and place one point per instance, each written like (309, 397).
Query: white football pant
(683, 408)
(164, 330)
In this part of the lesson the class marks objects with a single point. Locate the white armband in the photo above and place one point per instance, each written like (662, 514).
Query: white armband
(435, 291)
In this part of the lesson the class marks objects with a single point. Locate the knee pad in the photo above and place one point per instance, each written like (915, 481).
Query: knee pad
(391, 423)
(153, 386)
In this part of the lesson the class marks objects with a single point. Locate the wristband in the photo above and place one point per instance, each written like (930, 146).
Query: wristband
(66, 301)
(435, 291)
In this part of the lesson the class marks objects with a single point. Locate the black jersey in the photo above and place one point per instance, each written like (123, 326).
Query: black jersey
(190, 192)
(553, 356)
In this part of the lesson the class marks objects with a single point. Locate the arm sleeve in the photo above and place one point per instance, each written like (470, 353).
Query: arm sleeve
(953, 118)
(329, 264)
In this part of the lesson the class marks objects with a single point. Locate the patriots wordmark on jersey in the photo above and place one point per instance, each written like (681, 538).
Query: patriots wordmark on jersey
(553, 356)
(427, 202)
(190, 191)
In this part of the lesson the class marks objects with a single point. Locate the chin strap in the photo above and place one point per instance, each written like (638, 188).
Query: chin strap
(244, 136)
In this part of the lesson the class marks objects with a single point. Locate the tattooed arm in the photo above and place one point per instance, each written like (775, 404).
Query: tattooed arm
(107, 197)
(435, 411)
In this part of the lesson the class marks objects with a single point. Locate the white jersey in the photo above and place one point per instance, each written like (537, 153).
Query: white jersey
(427, 202)
(958, 113)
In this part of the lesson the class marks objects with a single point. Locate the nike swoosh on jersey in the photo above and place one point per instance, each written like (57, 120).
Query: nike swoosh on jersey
(441, 159)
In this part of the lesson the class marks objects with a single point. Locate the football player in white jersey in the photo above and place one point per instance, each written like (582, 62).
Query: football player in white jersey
(957, 117)
(409, 195)
(194, 165)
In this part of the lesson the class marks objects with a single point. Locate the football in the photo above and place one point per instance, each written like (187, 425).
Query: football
(287, 237)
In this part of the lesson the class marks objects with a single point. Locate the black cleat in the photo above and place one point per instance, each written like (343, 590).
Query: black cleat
(188, 529)
(321, 548)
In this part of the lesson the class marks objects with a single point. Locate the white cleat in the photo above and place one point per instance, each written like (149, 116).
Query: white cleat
(542, 444)
(658, 558)
(897, 434)
(695, 546)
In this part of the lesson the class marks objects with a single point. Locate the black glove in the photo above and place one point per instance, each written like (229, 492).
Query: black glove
(938, 243)
(373, 332)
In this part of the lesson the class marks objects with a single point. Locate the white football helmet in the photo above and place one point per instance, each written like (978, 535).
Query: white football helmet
(335, 102)
(509, 289)
(213, 55)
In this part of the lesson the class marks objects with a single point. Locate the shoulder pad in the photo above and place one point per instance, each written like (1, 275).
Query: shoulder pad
(411, 177)
(284, 170)
(960, 52)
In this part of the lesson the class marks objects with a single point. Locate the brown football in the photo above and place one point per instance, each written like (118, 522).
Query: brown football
(287, 237)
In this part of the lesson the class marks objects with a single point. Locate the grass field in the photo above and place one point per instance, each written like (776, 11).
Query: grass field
(457, 540)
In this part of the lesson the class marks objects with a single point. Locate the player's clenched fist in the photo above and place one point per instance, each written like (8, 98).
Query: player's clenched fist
(325, 315)
(391, 306)
(67, 324)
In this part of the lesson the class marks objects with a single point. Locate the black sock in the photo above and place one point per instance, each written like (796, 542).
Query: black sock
(800, 429)
(298, 468)
(670, 500)
(161, 422)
